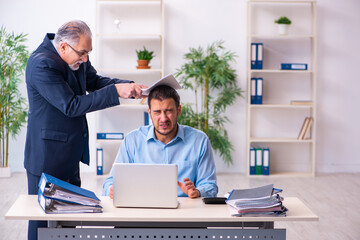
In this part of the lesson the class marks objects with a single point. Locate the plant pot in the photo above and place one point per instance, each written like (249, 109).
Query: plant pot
(283, 29)
(143, 64)
(5, 172)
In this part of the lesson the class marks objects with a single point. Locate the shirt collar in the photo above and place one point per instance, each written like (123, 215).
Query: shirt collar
(52, 41)
(180, 134)
(151, 134)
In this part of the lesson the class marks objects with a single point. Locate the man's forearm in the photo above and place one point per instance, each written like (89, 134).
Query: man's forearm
(208, 190)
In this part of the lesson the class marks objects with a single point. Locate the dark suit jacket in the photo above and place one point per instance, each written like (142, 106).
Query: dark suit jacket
(57, 133)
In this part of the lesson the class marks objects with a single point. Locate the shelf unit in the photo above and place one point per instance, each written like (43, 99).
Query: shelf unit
(122, 27)
(276, 123)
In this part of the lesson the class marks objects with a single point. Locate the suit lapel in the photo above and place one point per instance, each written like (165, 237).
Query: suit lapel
(76, 80)
(81, 78)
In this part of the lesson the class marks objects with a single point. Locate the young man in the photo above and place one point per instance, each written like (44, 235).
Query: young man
(62, 87)
(167, 142)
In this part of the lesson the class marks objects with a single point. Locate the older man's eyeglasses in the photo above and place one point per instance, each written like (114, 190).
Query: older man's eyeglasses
(80, 54)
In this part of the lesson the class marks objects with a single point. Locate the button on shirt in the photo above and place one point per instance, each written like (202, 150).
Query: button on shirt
(190, 150)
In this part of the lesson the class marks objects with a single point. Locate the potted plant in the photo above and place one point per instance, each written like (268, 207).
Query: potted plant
(283, 25)
(13, 109)
(209, 74)
(144, 58)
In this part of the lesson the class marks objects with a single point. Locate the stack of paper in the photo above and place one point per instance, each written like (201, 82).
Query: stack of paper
(57, 196)
(256, 202)
(168, 80)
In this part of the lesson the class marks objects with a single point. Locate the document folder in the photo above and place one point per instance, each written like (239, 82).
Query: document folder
(118, 136)
(168, 80)
(253, 56)
(266, 161)
(259, 91)
(253, 91)
(259, 57)
(57, 189)
(50, 205)
(252, 161)
(99, 160)
(146, 118)
(294, 66)
(260, 201)
(257, 50)
(259, 161)
(263, 192)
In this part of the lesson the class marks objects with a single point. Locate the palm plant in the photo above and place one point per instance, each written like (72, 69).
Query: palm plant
(208, 73)
(13, 109)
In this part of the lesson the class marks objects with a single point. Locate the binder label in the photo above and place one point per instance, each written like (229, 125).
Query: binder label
(259, 90)
(110, 136)
(293, 66)
(42, 202)
(266, 158)
(252, 158)
(43, 184)
(258, 157)
(298, 66)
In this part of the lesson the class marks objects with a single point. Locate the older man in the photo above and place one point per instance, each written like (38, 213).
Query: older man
(62, 87)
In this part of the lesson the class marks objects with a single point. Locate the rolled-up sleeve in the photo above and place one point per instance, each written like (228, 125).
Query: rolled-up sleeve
(206, 173)
(122, 157)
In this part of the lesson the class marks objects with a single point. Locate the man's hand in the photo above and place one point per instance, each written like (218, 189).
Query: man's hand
(126, 90)
(188, 188)
(111, 192)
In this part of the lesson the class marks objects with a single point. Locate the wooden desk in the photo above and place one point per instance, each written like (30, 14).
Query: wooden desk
(191, 220)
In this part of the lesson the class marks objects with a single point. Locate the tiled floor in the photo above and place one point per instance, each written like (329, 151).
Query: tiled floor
(335, 198)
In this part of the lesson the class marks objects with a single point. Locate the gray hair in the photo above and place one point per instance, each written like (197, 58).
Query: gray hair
(70, 32)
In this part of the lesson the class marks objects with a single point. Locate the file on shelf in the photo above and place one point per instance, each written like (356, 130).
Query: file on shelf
(118, 136)
(294, 66)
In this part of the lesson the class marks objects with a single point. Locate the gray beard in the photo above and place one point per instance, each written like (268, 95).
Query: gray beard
(72, 67)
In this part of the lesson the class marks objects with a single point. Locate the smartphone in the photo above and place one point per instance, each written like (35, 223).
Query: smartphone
(214, 200)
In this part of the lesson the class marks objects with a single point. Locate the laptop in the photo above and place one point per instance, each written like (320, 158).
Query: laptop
(145, 185)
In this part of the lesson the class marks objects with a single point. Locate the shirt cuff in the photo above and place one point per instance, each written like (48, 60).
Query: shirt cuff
(106, 189)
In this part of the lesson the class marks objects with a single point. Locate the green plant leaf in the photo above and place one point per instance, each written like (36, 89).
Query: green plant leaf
(145, 54)
(283, 20)
(13, 107)
(209, 73)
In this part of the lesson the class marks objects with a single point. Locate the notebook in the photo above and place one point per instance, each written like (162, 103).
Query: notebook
(145, 185)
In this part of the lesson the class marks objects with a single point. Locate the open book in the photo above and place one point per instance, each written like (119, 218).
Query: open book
(169, 80)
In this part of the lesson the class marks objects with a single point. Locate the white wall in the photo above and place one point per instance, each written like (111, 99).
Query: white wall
(338, 86)
(193, 23)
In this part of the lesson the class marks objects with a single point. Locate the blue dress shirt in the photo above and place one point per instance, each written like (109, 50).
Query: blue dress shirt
(190, 150)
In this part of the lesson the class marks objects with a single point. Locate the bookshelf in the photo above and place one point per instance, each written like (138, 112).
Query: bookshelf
(122, 27)
(276, 122)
